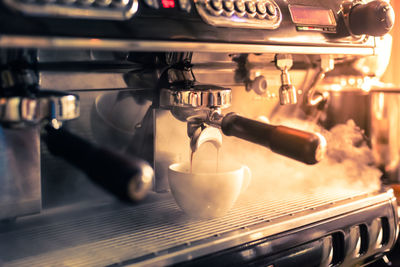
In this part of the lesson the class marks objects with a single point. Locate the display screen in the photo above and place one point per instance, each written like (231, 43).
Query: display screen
(306, 15)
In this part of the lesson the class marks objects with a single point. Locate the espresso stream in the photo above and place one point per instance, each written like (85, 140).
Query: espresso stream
(191, 160)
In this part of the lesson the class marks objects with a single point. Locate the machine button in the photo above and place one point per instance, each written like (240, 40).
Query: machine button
(258, 85)
(103, 2)
(152, 3)
(65, 1)
(261, 8)
(185, 5)
(228, 5)
(240, 6)
(86, 2)
(120, 3)
(271, 9)
(251, 7)
(216, 4)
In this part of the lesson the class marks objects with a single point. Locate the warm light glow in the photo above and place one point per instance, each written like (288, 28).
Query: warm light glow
(381, 105)
(263, 118)
(257, 235)
(352, 81)
(321, 151)
(366, 86)
(336, 87)
(365, 69)
(95, 40)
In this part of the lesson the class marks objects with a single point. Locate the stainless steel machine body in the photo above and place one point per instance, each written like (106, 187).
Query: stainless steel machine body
(119, 59)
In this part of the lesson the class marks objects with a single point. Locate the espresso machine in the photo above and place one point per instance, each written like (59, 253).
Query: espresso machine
(99, 97)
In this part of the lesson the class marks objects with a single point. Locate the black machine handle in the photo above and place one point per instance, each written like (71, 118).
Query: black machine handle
(375, 18)
(128, 178)
(296, 144)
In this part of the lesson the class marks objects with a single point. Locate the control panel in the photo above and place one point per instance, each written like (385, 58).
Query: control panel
(303, 24)
(254, 14)
(90, 9)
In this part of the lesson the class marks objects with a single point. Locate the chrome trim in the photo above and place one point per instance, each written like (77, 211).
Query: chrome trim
(64, 10)
(50, 105)
(173, 46)
(61, 107)
(17, 109)
(205, 10)
(208, 98)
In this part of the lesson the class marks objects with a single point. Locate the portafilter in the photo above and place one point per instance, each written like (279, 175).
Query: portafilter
(128, 178)
(200, 106)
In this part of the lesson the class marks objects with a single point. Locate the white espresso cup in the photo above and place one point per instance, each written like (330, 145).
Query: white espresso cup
(206, 192)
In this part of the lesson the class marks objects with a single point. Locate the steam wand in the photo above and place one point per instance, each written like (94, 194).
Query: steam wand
(316, 97)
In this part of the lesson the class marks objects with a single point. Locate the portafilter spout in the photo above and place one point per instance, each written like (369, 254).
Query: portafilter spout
(193, 106)
(200, 133)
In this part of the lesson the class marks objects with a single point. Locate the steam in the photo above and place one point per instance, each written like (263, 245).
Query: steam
(347, 166)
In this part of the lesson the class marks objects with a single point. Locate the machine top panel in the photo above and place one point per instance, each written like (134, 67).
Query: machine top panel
(237, 22)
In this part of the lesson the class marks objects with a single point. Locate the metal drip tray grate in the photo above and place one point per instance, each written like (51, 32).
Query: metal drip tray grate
(159, 233)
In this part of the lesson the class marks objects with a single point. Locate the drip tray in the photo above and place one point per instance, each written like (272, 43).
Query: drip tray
(159, 233)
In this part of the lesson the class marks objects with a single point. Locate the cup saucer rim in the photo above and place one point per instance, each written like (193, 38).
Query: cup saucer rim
(238, 167)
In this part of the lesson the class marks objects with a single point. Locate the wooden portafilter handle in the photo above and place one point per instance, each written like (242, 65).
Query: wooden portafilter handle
(303, 146)
(127, 178)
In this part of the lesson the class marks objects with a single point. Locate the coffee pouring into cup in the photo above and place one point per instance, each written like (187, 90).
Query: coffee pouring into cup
(209, 193)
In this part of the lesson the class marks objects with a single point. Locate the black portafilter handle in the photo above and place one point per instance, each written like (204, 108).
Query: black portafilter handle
(375, 18)
(127, 178)
(303, 146)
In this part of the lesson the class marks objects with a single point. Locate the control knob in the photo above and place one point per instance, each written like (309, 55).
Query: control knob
(375, 18)
(258, 85)
(217, 5)
(251, 7)
(240, 6)
(228, 5)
